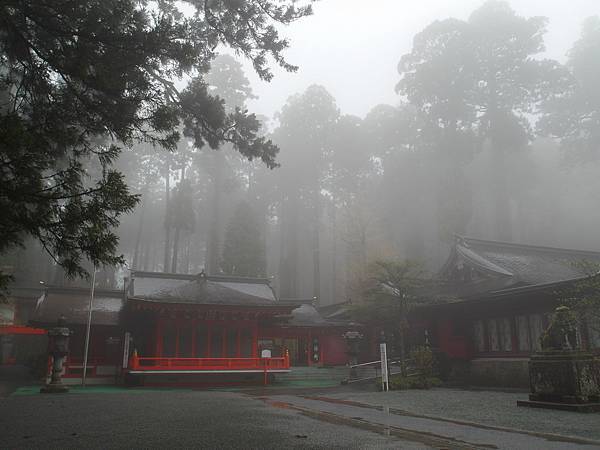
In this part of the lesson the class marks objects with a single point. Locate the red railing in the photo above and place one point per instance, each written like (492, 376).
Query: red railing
(73, 367)
(208, 364)
(19, 329)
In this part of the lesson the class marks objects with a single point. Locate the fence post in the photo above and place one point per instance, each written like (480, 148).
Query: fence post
(134, 362)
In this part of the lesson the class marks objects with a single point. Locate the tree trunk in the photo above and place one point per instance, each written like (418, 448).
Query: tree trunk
(402, 352)
(138, 238)
(214, 232)
(167, 219)
(175, 250)
(316, 246)
(186, 254)
(177, 228)
(288, 262)
(333, 252)
(500, 192)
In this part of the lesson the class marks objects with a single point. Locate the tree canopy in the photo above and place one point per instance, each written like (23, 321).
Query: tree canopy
(573, 115)
(80, 80)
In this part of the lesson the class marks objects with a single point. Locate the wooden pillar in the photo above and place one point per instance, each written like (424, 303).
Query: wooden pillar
(159, 329)
(177, 328)
(255, 340)
(309, 353)
(208, 339)
(223, 341)
(194, 328)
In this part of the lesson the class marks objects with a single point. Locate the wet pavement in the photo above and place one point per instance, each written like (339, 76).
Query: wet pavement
(276, 417)
(436, 432)
(12, 377)
(486, 407)
(173, 419)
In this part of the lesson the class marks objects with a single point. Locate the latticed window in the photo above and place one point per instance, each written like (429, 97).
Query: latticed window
(524, 343)
(479, 335)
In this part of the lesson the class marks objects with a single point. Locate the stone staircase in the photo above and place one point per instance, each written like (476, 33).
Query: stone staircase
(317, 375)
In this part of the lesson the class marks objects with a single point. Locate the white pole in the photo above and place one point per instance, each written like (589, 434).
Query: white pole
(384, 367)
(89, 326)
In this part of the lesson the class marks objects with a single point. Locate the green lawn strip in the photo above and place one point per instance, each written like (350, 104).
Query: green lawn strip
(35, 390)
(107, 389)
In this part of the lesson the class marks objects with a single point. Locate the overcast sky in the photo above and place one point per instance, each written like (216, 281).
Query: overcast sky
(352, 47)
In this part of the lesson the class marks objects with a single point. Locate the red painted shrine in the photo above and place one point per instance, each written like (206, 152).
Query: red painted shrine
(201, 324)
(178, 329)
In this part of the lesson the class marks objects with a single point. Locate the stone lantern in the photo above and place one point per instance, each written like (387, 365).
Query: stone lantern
(58, 348)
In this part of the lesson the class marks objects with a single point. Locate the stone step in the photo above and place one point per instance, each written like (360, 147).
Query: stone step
(316, 373)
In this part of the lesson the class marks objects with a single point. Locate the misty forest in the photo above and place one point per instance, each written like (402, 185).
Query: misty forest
(131, 146)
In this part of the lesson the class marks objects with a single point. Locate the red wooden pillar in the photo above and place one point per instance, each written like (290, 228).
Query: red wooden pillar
(177, 328)
(194, 327)
(208, 339)
(255, 340)
(224, 342)
(310, 349)
(159, 340)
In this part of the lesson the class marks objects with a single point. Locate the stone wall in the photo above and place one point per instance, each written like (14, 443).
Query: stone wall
(498, 372)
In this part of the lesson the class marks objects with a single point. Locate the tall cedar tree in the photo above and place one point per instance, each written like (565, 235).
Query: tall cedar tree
(244, 247)
(79, 80)
(574, 114)
(481, 78)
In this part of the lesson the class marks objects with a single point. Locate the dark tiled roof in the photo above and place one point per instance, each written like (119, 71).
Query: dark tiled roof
(307, 315)
(525, 264)
(73, 304)
(336, 311)
(209, 290)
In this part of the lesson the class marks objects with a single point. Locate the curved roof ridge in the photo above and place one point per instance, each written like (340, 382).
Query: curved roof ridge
(482, 262)
(466, 240)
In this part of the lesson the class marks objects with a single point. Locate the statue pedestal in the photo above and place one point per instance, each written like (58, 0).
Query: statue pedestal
(564, 379)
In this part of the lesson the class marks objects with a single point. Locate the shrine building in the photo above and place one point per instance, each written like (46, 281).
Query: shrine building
(500, 299)
(165, 329)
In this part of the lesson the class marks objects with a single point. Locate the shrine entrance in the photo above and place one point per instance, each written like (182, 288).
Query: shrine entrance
(297, 348)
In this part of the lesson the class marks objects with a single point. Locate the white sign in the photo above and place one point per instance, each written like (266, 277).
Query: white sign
(384, 367)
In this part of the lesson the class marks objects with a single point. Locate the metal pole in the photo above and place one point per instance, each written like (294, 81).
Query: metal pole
(89, 326)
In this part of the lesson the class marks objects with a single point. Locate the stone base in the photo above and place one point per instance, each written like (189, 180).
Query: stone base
(564, 377)
(575, 407)
(54, 389)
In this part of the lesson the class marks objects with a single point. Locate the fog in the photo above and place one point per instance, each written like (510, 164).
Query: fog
(382, 159)
(353, 47)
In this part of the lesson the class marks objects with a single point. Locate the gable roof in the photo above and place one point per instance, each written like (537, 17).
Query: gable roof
(511, 264)
(201, 289)
(73, 303)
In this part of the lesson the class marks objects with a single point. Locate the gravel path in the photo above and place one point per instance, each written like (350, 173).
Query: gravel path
(485, 407)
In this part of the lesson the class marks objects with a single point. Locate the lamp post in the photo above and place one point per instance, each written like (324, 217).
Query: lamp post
(89, 326)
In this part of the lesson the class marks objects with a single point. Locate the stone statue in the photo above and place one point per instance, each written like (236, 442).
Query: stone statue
(561, 334)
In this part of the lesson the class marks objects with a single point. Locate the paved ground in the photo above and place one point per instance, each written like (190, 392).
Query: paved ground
(435, 432)
(172, 419)
(282, 417)
(485, 407)
(12, 377)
